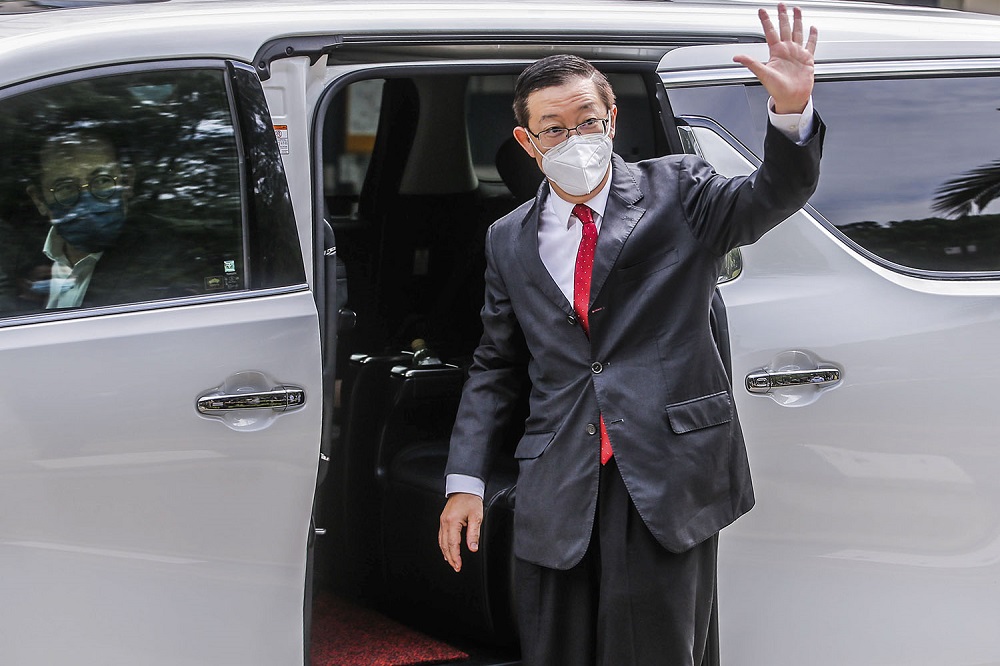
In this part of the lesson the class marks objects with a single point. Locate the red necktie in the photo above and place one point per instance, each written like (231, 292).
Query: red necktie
(581, 293)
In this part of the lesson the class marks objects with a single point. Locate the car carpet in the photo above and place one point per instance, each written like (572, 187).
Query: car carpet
(344, 634)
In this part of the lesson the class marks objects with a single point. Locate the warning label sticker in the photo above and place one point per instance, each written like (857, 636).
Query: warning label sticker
(281, 131)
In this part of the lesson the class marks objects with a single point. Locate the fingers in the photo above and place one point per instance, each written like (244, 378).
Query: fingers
(449, 540)
(770, 35)
(785, 29)
(813, 37)
(788, 30)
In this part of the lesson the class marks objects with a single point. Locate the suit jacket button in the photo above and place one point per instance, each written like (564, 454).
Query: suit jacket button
(572, 320)
(591, 429)
(597, 367)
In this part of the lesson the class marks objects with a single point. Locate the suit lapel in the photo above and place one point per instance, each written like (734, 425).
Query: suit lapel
(620, 217)
(531, 261)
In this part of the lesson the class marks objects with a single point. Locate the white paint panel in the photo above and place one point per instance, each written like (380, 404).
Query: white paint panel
(137, 527)
(874, 539)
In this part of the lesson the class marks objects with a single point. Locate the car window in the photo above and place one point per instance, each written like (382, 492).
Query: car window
(489, 121)
(119, 189)
(910, 168)
(348, 140)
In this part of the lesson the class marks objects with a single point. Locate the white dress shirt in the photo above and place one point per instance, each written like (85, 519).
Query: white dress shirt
(69, 281)
(559, 234)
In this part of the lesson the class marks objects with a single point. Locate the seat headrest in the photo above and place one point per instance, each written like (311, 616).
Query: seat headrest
(518, 170)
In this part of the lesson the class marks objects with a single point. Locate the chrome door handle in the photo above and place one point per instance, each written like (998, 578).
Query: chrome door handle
(763, 381)
(280, 398)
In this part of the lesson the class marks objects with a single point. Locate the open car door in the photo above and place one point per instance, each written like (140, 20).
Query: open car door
(160, 436)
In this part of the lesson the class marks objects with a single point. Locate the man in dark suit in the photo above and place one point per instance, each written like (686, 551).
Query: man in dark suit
(633, 458)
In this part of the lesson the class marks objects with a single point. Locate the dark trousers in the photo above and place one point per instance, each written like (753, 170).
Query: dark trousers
(630, 602)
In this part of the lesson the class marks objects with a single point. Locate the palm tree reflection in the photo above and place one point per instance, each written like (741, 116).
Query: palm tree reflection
(971, 193)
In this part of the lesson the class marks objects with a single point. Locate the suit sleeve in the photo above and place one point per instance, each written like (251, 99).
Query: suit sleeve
(495, 378)
(724, 213)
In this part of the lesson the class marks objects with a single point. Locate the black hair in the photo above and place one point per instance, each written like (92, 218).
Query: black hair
(556, 70)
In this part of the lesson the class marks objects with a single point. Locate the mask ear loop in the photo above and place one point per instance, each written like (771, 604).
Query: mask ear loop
(533, 144)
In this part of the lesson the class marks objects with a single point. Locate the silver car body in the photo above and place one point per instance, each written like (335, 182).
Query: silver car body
(133, 529)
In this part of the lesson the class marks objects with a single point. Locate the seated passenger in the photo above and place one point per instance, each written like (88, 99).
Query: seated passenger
(101, 254)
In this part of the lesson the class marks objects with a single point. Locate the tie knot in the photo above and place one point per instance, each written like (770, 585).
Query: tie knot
(583, 213)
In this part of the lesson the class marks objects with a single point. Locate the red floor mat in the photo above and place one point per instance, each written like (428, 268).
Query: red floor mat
(347, 635)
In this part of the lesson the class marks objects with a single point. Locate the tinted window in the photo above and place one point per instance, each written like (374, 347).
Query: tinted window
(910, 169)
(119, 189)
(348, 140)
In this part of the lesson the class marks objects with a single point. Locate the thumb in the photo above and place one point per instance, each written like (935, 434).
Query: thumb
(759, 69)
(472, 531)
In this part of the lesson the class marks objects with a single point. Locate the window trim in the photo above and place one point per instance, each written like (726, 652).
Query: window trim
(54, 315)
(860, 69)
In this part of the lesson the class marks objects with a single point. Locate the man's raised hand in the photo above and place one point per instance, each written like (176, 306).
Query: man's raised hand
(788, 73)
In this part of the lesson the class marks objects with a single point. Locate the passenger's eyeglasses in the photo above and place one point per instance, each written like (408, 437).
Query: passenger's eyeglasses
(553, 136)
(66, 192)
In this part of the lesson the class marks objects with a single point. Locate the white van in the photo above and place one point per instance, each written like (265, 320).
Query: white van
(215, 445)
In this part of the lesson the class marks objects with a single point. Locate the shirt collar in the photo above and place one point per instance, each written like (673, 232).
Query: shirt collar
(562, 209)
(55, 249)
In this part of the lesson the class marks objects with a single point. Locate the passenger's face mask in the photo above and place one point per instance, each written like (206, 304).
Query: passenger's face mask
(91, 224)
(578, 164)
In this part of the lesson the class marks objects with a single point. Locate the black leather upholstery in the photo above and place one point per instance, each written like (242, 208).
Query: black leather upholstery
(413, 451)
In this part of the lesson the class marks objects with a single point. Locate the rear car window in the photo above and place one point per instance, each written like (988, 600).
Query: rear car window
(119, 189)
(911, 169)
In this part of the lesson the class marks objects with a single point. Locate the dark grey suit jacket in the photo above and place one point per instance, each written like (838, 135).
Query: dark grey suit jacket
(650, 367)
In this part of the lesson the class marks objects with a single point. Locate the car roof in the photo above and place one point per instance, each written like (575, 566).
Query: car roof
(36, 43)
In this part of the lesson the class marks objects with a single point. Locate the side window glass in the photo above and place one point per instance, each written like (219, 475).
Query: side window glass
(348, 141)
(489, 121)
(637, 136)
(119, 189)
(910, 168)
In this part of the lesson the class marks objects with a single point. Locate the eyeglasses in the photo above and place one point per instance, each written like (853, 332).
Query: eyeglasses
(66, 192)
(553, 136)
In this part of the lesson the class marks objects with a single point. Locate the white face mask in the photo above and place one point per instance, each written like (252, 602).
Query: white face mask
(578, 164)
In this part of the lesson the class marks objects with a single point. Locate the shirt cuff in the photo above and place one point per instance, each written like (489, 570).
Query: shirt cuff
(461, 483)
(796, 126)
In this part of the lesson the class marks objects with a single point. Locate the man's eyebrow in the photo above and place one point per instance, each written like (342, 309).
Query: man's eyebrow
(589, 106)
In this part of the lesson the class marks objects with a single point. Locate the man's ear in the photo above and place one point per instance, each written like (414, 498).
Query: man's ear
(614, 116)
(521, 135)
(39, 200)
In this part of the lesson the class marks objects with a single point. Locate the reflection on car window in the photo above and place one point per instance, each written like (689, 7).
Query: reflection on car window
(119, 189)
(910, 169)
(348, 140)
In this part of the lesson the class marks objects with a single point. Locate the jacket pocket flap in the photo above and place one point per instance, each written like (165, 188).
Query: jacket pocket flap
(648, 266)
(700, 413)
(533, 444)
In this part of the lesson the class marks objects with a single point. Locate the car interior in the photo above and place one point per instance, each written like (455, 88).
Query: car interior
(415, 169)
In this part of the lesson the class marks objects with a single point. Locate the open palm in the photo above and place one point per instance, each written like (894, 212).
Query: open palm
(788, 73)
